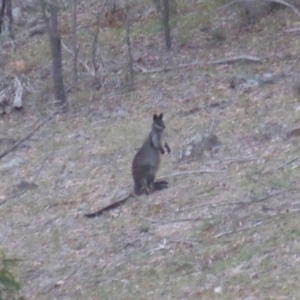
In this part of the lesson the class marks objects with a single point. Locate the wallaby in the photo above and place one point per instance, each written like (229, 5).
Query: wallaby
(144, 167)
(146, 161)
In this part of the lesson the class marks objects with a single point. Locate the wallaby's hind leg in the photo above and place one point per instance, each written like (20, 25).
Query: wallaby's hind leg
(139, 189)
(149, 183)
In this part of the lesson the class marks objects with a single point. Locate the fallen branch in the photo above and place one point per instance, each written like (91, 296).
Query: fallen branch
(87, 68)
(30, 183)
(269, 196)
(28, 136)
(172, 220)
(283, 165)
(186, 241)
(292, 29)
(191, 172)
(233, 59)
(225, 203)
(238, 230)
(218, 203)
(288, 211)
(61, 282)
(228, 60)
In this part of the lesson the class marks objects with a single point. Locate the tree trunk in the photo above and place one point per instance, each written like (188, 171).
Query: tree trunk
(130, 60)
(55, 46)
(74, 42)
(2, 12)
(165, 20)
(10, 18)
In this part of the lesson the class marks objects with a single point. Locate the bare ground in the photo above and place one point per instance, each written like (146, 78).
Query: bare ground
(226, 228)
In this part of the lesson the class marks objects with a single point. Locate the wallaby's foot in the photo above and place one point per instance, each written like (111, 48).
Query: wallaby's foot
(156, 186)
(160, 185)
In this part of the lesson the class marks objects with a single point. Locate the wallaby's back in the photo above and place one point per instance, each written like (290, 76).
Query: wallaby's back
(146, 161)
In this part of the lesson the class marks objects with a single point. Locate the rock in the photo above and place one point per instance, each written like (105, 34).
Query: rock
(11, 164)
(218, 290)
(196, 146)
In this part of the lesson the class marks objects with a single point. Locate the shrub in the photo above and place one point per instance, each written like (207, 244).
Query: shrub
(8, 284)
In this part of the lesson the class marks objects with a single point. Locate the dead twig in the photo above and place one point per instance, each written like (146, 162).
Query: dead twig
(229, 60)
(28, 136)
(61, 282)
(191, 172)
(162, 222)
(288, 211)
(186, 241)
(269, 196)
(218, 203)
(31, 182)
(292, 29)
(237, 230)
(87, 68)
(283, 165)
(238, 159)
(225, 203)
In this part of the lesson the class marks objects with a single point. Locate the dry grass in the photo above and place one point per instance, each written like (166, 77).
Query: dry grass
(211, 235)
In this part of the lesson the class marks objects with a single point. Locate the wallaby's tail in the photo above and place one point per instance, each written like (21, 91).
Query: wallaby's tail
(108, 207)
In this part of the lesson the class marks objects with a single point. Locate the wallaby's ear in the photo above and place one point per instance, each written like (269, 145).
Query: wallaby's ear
(154, 117)
(160, 116)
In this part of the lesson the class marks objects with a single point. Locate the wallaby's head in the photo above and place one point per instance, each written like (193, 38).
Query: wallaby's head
(158, 122)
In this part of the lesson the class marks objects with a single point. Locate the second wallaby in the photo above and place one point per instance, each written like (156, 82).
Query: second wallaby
(146, 161)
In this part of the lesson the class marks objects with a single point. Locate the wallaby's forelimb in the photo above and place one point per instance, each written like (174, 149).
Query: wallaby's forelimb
(167, 147)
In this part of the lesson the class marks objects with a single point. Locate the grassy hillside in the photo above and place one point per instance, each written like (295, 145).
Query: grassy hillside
(227, 227)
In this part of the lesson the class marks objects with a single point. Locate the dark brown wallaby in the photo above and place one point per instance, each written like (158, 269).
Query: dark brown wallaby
(146, 161)
(144, 167)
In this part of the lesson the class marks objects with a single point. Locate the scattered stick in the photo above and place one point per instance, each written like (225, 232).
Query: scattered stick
(269, 196)
(225, 203)
(37, 127)
(186, 241)
(191, 172)
(239, 159)
(85, 65)
(173, 221)
(233, 59)
(229, 60)
(288, 211)
(292, 29)
(59, 283)
(218, 203)
(238, 230)
(283, 165)
(31, 182)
